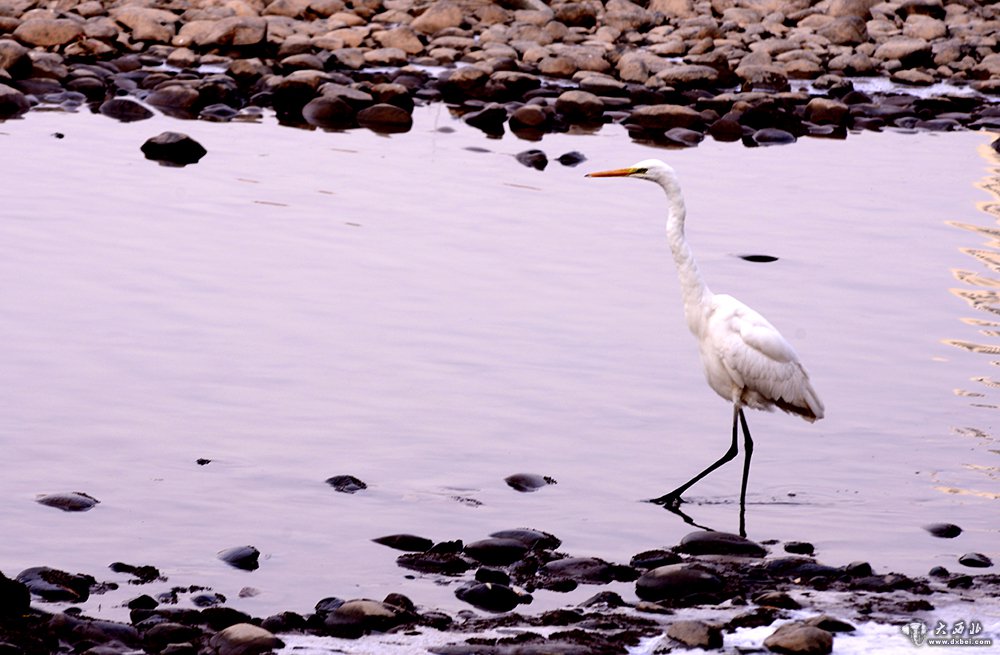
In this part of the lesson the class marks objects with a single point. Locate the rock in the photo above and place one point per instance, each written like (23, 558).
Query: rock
(161, 635)
(709, 542)
(53, 585)
(910, 52)
(14, 59)
(385, 118)
(675, 582)
(533, 539)
(460, 83)
(912, 77)
(683, 137)
(586, 570)
(496, 576)
(975, 560)
(48, 32)
(241, 557)
(778, 599)
(755, 618)
(489, 596)
(393, 94)
(489, 119)
(244, 639)
(665, 117)
(919, 26)
(798, 547)
(15, 599)
(174, 99)
(579, 107)
(696, 634)
(146, 23)
(333, 113)
(673, 8)
(943, 530)
(538, 160)
(76, 501)
(726, 130)
(408, 542)
(933, 8)
(403, 38)
(143, 602)
(496, 551)
(688, 76)
(771, 136)
(571, 158)
(859, 8)
(799, 639)
(826, 111)
(142, 574)
(829, 623)
(438, 16)
(346, 484)
(846, 30)
(218, 113)
(528, 482)
(435, 562)
(125, 110)
(354, 618)
(529, 117)
(652, 559)
(234, 31)
(763, 78)
(577, 14)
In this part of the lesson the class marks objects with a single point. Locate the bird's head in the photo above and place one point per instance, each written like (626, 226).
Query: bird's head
(647, 169)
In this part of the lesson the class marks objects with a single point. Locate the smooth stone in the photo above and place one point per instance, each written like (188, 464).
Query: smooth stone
(333, 113)
(14, 59)
(528, 482)
(143, 574)
(76, 501)
(943, 530)
(496, 576)
(571, 158)
(160, 635)
(15, 599)
(682, 137)
(346, 484)
(533, 539)
(48, 32)
(651, 559)
(696, 634)
(284, 622)
(173, 148)
(435, 562)
(587, 570)
(580, 106)
(125, 110)
(385, 118)
(174, 96)
(355, 618)
(707, 542)
(496, 551)
(406, 542)
(665, 117)
(726, 130)
(676, 581)
(939, 572)
(241, 557)
(489, 596)
(772, 136)
(218, 113)
(143, 602)
(755, 618)
(829, 623)
(825, 110)
(244, 639)
(799, 639)
(489, 119)
(522, 482)
(794, 547)
(975, 560)
(778, 599)
(54, 585)
(529, 117)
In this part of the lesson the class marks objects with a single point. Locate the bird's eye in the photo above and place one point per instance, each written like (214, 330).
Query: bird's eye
(639, 171)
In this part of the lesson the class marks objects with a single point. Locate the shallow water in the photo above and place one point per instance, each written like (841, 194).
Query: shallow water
(432, 318)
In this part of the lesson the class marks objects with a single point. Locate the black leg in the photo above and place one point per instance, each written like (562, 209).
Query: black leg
(673, 499)
(747, 454)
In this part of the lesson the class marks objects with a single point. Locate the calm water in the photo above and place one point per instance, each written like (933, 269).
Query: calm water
(432, 318)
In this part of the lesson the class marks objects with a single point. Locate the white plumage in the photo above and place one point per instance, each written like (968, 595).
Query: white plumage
(746, 360)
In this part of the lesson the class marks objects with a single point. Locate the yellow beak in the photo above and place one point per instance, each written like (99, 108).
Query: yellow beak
(618, 172)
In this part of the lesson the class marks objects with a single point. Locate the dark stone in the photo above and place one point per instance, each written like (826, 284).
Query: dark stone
(771, 136)
(755, 618)
(529, 117)
(528, 482)
(208, 600)
(143, 574)
(719, 543)
(284, 622)
(201, 461)
(241, 557)
(571, 158)
(794, 547)
(496, 551)
(406, 542)
(355, 618)
(676, 581)
(799, 639)
(496, 576)
(400, 601)
(726, 130)
(587, 570)
(778, 599)
(218, 113)
(125, 110)
(432, 562)
(975, 560)
(15, 599)
(13, 103)
(829, 623)
(696, 634)
(385, 118)
(533, 539)
(489, 596)
(288, 97)
(652, 559)
(393, 94)
(604, 599)
(767, 259)
(346, 484)
(332, 113)
(173, 148)
(943, 530)
(939, 572)
(327, 605)
(75, 501)
(489, 119)
(143, 602)
(175, 99)
(679, 136)
(858, 569)
(161, 635)
(54, 585)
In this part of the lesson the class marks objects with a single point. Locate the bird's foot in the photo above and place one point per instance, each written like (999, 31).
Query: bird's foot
(670, 501)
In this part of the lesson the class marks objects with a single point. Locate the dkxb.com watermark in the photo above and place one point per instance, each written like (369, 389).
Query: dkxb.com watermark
(959, 633)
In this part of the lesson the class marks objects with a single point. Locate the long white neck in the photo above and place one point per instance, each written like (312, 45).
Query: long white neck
(693, 289)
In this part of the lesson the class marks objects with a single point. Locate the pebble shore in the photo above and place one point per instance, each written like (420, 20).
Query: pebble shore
(672, 71)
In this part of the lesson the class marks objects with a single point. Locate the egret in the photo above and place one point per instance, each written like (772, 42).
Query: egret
(745, 358)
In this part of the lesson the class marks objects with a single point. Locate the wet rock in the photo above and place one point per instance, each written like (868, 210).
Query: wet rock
(975, 560)
(943, 530)
(393, 94)
(524, 482)
(489, 119)
(125, 110)
(53, 585)
(241, 557)
(778, 599)
(462, 83)
(244, 639)
(142, 574)
(218, 113)
(159, 636)
(939, 572)
(799, 639)
(173, 148)
(48, 32)
(496, 551)
(676, 581)
(435, 562)
(174, 99)
(587, 570)
(797, 547)
(767, 259)
(825, 110)
(688, 76)
(726, 130)
(385, 118)
(580, 106)
(346, 484)
(14, 59)
(76, 501)
(829, 623)
(529, 117)
(858, 569)
(528, 482)
(652, 559)
(355, 618)
(665, 117)
(571, 158)
(408, 542)
(719, 543)
(284, 622)
(679, 136)
(143, 602)
(755, 618)
(496, 576)
(14, 597)
(533, 539)
(333, 113)
(771, 136)
(489, 596)
(696, 634)
(208, 600)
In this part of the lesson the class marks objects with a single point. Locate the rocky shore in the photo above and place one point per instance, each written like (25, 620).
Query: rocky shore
(672, 71)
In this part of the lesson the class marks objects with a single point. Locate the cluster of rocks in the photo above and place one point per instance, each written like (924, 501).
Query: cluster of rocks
(671, 70)
(496, 575)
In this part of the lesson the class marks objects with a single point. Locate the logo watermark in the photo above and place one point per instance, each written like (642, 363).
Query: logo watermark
(959, 633)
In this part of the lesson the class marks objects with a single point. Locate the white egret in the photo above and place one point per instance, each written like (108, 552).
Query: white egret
(746, 360)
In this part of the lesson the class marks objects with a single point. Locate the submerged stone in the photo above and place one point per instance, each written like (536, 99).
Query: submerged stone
(241, 557)
(75, 501)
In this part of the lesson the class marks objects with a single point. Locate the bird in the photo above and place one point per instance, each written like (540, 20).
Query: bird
(745, 359)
